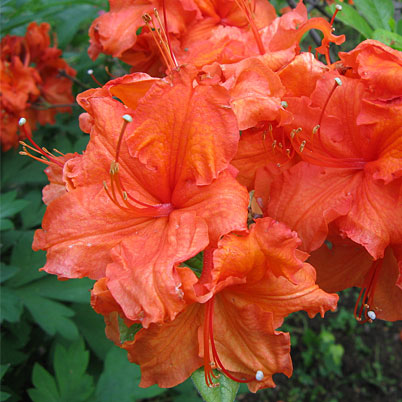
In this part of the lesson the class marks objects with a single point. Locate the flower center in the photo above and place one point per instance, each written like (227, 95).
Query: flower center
(312, 148)
(118, 193)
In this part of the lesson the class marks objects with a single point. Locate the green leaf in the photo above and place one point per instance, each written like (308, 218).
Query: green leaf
(391, 39)
(7, 272)
(120, 378)
(27, 260)
(46, 389)
(33, 214)
(70, 367)
(226, 392)
(6, 224)
(73, 290)
(377, 13)
(10, 206)
(127, 333)
(195, 264)
(3, 370)
(51, 316)
(92, 327)
(72, 383)
(10, 305)
(349, 16)
(4, 396)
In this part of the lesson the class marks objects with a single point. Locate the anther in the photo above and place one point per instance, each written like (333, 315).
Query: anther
(302, 145)
(284, 104)
(127, 118)
(316, 128)
(90, 71)
(338, 81)
(338, 7)
(259, 375)
(22, 121)
(371, 314)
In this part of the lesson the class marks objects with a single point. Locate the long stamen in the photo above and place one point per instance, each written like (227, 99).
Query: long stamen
(47, 157)
(337, 84)
(338, 8)
(167, 34)
(363, 308)
(91, 74)
(245, 6)
(119, 195)
(315, 151)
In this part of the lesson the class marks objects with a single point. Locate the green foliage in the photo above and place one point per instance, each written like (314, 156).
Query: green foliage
(70, 382)
(374, 19)
(120, 378)
(225, 392)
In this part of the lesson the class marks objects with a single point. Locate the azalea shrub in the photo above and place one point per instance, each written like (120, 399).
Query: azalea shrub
(225, 166)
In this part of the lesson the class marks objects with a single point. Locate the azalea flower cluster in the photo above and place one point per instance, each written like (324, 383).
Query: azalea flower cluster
(311, 183)
(31, 82)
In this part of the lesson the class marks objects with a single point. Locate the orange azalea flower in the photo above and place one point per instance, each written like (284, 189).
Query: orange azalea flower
(259, 279)
(344, 264)
(115, 32)
(30, 80)
(352, 165)
(148, 193)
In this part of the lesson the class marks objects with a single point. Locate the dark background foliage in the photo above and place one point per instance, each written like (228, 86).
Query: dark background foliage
(53, 346)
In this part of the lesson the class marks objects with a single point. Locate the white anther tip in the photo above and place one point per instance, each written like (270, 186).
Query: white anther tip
(371, 315)
(127, 118)
(90, 71)
(259, 375)
(338, 81)
(22, 121)
(338, 7)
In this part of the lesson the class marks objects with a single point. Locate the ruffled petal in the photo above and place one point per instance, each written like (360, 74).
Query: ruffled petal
(143, 279)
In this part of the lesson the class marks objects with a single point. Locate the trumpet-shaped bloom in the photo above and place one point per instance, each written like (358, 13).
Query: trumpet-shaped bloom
(351, 151)
(248, 285)
(147, 194)
(344, 264)
(30, 81)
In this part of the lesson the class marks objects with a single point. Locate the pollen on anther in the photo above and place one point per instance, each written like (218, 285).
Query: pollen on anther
(127, 118)
(259, 375)
(302, 145)
(22, 121)
(90, 71)
(284, 104)
(371, 314)
(316, 128)
(338, 81)
(338, 7)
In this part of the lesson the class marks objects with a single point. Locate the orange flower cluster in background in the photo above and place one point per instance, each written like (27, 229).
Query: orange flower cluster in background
(31, 82)
(305, 201)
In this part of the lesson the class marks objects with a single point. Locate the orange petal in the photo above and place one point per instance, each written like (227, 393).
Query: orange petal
(143, 279)
(168, 353)
(379, 66)
(189, 124)
(375, 217)
(307, 198)
(246, 342)
(346, 264)
(223, 204)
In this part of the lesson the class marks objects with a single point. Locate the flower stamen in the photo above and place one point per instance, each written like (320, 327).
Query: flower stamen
(363, 310)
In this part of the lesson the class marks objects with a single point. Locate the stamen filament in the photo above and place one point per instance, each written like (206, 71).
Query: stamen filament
(248, 12)
(366, 295)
